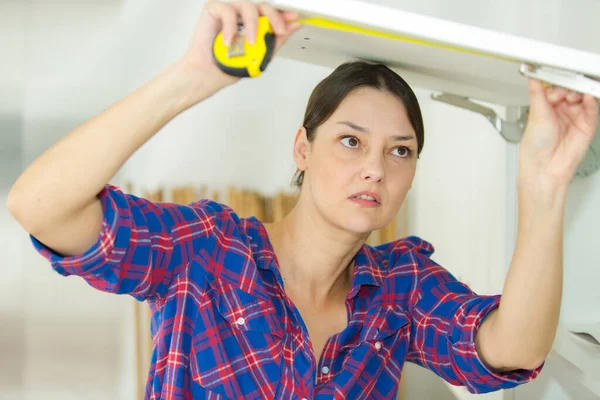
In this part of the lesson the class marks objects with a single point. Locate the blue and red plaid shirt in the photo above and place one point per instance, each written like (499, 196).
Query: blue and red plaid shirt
(223, 327)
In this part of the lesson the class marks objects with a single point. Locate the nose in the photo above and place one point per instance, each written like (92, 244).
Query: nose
(373, 169)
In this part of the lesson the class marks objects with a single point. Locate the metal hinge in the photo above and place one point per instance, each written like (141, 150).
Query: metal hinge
(511, 131)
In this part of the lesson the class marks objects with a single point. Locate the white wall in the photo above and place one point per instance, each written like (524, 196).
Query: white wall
(69, 341)
(59, 339)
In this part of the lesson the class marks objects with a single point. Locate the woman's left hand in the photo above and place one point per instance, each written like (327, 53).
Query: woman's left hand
(560, 128)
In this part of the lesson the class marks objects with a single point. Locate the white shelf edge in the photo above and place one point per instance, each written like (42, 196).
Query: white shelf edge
(451, 33)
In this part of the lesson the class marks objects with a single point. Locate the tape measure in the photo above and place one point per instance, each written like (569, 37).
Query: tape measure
(241, 58)
(250, 60)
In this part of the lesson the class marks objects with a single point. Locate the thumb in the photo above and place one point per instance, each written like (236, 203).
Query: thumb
(538, 101)
(290, 28)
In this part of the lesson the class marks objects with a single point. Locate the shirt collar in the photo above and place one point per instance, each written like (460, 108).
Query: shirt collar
(368, 266)
(262, 249)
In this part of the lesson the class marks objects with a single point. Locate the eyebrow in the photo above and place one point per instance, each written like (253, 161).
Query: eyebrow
(365, 130)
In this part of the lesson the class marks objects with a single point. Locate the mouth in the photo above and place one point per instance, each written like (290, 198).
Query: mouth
(366, 198)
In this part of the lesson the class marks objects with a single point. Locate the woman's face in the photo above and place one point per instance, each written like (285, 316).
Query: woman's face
(367, 146)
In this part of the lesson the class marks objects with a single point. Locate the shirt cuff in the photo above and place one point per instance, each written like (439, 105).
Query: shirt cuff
(115, 233)
(477, 377)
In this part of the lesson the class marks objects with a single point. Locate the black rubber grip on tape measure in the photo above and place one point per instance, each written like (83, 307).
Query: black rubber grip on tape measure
(239, 72)
(270, 43)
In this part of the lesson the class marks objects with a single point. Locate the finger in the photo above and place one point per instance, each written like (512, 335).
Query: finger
(590, 109)
(556, 95)
(590, 105)
(275, 18)
(290, 16)
(293, 27)
(536, 87)
(537, 98)
(566, 113)
(574, 97)
(228, 18)
(249, 14)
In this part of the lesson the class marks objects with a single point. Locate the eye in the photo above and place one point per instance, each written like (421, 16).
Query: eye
(402, 151)
(350, 141)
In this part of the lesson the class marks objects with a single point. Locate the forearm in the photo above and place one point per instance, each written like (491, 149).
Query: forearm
(69, 175)
(560, 128)
(524, 326)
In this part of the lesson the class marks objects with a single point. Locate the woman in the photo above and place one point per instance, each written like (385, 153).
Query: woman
(303, 308)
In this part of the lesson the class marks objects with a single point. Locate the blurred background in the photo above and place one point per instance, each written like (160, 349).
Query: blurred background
(63, 62)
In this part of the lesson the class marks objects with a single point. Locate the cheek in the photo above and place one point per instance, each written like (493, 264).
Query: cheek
(337, 164)
(399, 181)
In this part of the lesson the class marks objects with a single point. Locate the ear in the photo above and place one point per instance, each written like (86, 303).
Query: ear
(301, 149)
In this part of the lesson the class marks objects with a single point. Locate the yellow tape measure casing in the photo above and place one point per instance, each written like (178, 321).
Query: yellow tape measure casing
(241, 58)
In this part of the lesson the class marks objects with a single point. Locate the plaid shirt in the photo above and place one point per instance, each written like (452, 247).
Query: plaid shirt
(223, 327)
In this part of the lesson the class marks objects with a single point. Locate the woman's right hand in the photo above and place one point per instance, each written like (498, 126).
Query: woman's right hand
(218, 16)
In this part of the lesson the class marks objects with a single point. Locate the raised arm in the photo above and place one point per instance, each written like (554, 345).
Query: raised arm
(117, 242)
(56, 198)
(561, 127)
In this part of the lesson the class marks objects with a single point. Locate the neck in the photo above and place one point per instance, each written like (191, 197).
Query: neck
(315, 258)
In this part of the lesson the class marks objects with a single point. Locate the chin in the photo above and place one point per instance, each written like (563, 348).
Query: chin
(360, 223)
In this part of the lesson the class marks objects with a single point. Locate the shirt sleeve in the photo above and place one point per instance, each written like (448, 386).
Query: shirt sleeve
(142, 245)
(446, 317)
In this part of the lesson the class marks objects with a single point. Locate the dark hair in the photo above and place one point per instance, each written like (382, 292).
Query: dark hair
(331, 91)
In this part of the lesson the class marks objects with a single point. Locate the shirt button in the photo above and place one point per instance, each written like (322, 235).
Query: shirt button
(240, 321)
(325, 370)
(378, 345)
